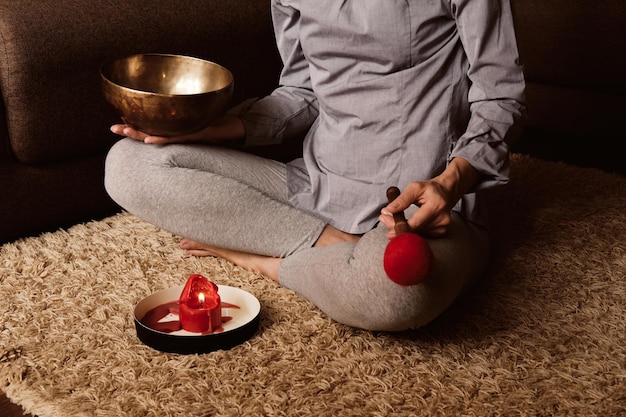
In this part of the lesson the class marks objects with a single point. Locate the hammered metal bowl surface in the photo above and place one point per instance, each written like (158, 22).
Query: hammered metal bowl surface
(166, 95)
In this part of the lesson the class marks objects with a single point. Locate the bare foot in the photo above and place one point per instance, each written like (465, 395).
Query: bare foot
(265, 265)
(197, 249)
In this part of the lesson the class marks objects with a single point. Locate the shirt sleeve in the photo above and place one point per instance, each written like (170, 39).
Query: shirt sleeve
(496, 93)
(292, 108)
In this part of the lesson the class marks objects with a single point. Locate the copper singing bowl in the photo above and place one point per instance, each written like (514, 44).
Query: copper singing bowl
(166, 95)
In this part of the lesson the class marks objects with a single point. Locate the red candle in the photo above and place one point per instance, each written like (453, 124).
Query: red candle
(200, 306)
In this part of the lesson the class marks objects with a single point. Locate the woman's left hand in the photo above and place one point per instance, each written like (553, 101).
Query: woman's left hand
(435, 199)
(432, 218)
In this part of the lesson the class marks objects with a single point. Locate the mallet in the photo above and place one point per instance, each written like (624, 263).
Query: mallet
(408, 257)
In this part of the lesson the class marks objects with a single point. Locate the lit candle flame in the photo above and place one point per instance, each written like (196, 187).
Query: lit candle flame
(201, 299)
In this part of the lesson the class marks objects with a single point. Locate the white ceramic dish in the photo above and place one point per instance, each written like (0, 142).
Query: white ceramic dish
(241, 324)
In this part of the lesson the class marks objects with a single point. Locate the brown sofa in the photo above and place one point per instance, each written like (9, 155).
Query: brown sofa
(54, 133)
(574, 58)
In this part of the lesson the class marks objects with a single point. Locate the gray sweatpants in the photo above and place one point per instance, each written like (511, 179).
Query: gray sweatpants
(236, 200)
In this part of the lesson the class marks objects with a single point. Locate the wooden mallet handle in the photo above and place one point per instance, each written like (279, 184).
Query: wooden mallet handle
(401, 225)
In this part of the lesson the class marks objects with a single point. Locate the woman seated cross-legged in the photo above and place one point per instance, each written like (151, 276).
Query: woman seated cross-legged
(427, 96)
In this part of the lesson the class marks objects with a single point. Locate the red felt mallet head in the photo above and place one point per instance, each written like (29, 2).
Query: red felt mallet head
(408, 258)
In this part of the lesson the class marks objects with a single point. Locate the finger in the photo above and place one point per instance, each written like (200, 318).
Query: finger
(163, 140)
(134, 133)
(126, 130)
(429, 222)
(434, 232)
(157, 140)
(389, 223)
(423, 218)
(437, 232)
(118, 129)
(401, 203)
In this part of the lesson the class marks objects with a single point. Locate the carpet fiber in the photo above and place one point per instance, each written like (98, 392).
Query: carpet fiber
(544, 334)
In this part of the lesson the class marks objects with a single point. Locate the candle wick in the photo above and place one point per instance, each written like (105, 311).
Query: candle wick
(201, 299)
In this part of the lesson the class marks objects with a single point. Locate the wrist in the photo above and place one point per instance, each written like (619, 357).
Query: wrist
(457, 179)
(225, 130)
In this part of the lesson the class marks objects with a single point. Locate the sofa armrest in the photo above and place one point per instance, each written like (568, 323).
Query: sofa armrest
(52, 50)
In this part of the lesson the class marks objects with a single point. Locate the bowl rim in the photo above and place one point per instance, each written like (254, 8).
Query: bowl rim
(104, 78)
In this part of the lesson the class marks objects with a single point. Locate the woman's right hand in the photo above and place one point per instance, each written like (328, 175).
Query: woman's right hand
(130, 132)
(227, 129)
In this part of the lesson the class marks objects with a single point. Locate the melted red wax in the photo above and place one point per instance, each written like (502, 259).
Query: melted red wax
(152, 317)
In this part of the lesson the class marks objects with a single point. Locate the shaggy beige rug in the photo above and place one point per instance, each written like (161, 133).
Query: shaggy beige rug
(543, 335)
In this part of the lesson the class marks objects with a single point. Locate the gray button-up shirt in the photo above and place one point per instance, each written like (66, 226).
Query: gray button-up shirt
(389, 92)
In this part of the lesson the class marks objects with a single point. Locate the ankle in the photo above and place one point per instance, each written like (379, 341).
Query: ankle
(269, 267)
